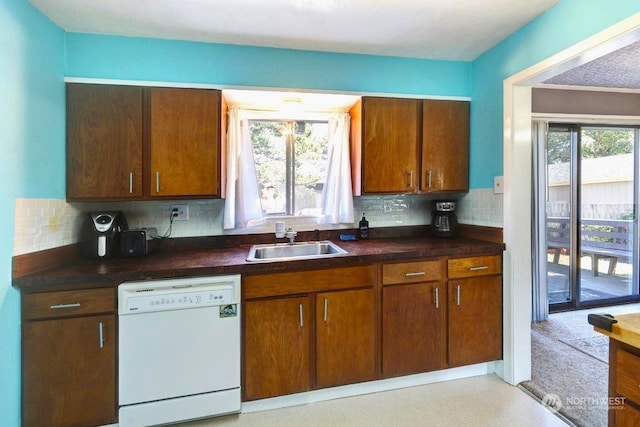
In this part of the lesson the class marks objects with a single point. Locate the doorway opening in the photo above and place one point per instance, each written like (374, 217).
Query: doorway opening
(588, 236)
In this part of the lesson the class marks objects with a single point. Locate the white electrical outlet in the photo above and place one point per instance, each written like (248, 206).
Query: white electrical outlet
(183, 212)
(498, 185)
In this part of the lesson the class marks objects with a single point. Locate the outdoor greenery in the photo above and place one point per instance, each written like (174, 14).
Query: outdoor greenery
(596, 142)
(271, 140)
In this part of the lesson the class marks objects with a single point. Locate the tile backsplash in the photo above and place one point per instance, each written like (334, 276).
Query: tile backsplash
(48, 223)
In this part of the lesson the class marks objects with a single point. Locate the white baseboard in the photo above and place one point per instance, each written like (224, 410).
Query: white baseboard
(369, 387)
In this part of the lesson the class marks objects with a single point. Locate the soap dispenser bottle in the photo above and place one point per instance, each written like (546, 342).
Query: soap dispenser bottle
(364, 228)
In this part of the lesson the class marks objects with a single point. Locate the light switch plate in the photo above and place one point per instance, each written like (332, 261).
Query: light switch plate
(498, 185)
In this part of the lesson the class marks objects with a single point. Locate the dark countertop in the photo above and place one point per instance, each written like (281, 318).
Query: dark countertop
(181, 262)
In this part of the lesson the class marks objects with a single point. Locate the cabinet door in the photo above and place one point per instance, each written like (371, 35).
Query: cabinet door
(68, 374)
(413, 328)
(104, 142)
(345, 337)
(276, 360)
(390, 145)
(184, 142)
(445, 146)
(475, 320)
(625, 416)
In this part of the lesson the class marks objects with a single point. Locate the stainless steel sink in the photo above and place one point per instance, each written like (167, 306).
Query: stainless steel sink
(294, 251)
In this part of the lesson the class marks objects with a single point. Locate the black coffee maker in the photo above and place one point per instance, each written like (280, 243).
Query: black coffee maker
(102, 234)
(443, 219)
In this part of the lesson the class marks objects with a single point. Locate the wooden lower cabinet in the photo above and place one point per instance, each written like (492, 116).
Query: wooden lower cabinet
(276, 347)
(345, 337)
(413, 328)
(624, 380)
(308, 329)
(475, 320)
(69, 374)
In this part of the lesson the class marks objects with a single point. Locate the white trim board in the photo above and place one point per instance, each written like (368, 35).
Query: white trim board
(370, 387)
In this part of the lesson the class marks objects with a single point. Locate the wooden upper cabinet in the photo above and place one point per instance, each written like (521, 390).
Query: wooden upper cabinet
(104, 142)
(390, 145)
(184, 141)
(445, 146)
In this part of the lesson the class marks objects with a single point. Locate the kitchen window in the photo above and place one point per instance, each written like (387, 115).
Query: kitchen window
(291, 159)
(296, 166)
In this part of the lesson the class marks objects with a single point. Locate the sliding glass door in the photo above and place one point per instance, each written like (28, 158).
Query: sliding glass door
(591, 194)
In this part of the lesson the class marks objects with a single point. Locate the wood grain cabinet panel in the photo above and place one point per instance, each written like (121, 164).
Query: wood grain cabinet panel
(413, 328)
(474, 320)
(345, 337)
(276, 347)
(104, 142)
(445, 146)
(68, 373)
(135, 143)
(626, 416)
(322, 338)
(68, 303)
(390, 145)
(184, 142)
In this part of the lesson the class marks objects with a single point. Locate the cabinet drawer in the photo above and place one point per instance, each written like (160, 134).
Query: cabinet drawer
(411, 272)
(474, 266)
(300, 282)
(628, 375)
(68, 303)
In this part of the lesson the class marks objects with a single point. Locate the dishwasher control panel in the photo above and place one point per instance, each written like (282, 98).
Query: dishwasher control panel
(140, 297)
(146, 303)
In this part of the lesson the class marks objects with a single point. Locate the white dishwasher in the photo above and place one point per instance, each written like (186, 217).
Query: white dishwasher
(179, 349)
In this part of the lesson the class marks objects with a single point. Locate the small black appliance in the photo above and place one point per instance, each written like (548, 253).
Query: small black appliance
(140, 242)
(443, 219)
(104, 231)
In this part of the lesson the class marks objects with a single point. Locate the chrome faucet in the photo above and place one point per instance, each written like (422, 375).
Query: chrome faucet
(288, 233)
(291, 235)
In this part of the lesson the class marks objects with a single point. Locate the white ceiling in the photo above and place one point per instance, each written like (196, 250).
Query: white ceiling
(434, 29)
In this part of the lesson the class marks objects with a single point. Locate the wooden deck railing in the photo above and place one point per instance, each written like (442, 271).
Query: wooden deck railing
(599, 238)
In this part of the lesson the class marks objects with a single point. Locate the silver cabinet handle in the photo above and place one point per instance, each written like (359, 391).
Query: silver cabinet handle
(63, 306)
(429, 178)
(101, 334)
(414, 274)
(326, 308)
(130, 182)
(410, 179)
(157, 182)
(301, 317)
(437, 297)
(484, 267)
(457, 294)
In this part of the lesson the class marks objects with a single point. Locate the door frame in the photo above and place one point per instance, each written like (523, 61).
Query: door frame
(517, 187)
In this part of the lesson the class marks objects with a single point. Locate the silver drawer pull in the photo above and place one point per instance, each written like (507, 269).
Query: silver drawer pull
(301, 317)
(101, 334)
(484, 267)
(417, 273)
(63, 306)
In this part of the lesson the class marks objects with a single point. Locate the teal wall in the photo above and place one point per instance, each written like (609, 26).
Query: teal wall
(568, 23)
(132, 58)
(32, 69)
(31, 160)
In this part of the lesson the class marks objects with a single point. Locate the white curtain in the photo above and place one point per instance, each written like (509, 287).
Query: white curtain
(337, 195)
(242, 206)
